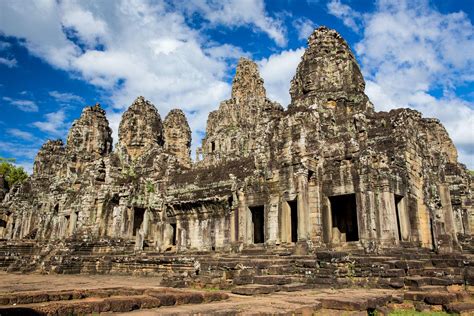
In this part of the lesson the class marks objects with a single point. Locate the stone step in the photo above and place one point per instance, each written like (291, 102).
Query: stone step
(275, 279)
(293, 287)
(80, 302)
(255, 289)
(460, 308)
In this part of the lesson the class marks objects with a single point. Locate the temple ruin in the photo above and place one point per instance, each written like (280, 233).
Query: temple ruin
(328, 172)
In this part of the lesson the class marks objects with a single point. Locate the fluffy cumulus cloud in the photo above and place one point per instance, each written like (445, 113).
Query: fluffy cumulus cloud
(132, 48)
(277, 72)
(413, 56)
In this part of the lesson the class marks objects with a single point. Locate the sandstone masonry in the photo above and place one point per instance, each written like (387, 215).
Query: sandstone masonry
(327, 173)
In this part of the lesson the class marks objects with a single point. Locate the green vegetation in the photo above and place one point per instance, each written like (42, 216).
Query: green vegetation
(150, 188)
(10, 172)
(471, 172)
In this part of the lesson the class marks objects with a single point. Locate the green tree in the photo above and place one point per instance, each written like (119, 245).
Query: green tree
(10, 172)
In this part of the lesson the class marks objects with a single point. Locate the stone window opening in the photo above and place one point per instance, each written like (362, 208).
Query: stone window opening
(258, 219)
(3, 224)
(56, 209)
(213, 146)
(138, 215)
(344, 217)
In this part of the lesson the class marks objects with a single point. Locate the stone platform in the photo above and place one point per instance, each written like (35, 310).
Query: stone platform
(35, 294)
(279, 279)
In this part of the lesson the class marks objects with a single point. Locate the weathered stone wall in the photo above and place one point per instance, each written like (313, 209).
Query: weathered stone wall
(329, 172)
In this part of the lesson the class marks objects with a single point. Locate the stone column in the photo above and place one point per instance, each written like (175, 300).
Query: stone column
(285, 233)
(447, 211)
(243, 218)
(303, 204)
(388, 229)
(272, 221)
(404, 219)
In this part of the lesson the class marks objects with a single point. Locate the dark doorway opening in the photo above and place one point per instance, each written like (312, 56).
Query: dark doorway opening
(56, 209)
(138, 215)
(432, 232)
(398, 200)
(258, 218)
(173, 234)
(67, 218)
(344, 215)
(294, 220)
(3, 224)
(213, 146)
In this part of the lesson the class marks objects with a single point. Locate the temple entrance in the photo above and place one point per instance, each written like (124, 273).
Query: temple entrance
(3, 224)
(173, 234)
(138, 215)
(67, 220)
(398, 200)
(294, 220)
(258, 218)
(344, 218)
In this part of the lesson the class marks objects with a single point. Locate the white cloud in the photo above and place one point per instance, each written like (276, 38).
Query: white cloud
(349, 17)
(9, 62)
(146, 48)
(54, 124)
(235, 13)
(305, 27)
(409, 53)
(87, 27)
(23, 105)
(66, 97)
(277, 72)
(20, 134)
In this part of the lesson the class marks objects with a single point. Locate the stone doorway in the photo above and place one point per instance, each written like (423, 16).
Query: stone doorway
(173, 234)
(294, 220)
(258, 219)
(344, 218)
(67, 220)
(398, 200)
(138, 216)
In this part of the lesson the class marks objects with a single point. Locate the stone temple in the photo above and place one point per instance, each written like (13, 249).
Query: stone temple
(327, 174)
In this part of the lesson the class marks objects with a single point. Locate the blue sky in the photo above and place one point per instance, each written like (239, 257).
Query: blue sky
(58, 56)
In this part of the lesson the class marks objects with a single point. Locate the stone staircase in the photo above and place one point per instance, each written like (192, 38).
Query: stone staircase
(394, 269)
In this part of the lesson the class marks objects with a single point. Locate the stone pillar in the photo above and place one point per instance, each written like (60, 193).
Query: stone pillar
(73, 222)
(327, 220)
(145, 224)
(232, 222)
(404, 219)
(243, 218)
(448, 217)
(99, 220)
(272, 221)
(303, 204)
(285, 232)
(388, 229)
